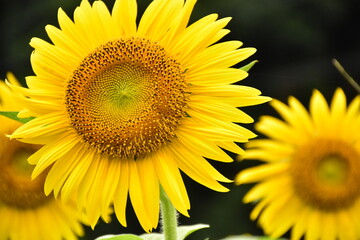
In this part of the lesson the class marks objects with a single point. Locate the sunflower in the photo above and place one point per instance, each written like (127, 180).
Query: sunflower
(25, 211)
(310, 181)
(121, 108)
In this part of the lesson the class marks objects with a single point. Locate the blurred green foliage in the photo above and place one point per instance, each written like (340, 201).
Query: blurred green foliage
(296, 41)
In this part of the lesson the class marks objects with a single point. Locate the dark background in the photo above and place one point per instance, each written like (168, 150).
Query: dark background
(295, 39)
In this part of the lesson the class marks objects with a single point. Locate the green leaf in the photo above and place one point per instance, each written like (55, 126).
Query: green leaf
(240, 237)
(152, 236)
(13, 115)
(244, 237)
(120, 237)
(146, 236)
(247, 67)
(184, 231)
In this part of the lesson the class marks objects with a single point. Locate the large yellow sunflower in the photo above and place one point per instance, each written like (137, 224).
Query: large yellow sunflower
(310, 181)
(121, 107)
(25, 211)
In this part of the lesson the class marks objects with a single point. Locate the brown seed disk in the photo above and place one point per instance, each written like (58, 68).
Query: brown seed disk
(127, 98)
(336, 158)
(17, 190)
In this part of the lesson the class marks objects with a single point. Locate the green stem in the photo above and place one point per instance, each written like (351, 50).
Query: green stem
(168, 217)
(348, 78)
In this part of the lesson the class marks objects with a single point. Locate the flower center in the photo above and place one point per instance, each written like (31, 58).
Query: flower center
(332, 170)
(16, 187)
(326, 174)
(127, 98)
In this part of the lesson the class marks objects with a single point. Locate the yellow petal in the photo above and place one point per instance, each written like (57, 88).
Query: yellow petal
(51, 152)
(261, 172)
(296, 116)
(60, 171)
(171, 181)
(150, 188)
(198, 36)
(94, 199)
(279, 130)
(137, 197)
(313, 231)
(202, 171)
(179, 24)
(76, 175)
(329, 226)
(124, 16)
(203, 148)
(109, 183)
(221, 111)
(209, 59)
(103, 18)
(217, 76)
(157, 18)
(231, 146)
(346, 226)
(320, 113)
(121, 193)
(301, 224)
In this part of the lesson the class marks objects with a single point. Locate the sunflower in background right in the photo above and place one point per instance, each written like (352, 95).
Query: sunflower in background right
(309, 182)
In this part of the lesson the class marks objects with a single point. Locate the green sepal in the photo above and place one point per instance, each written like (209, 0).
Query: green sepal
(13, 115)
(247, 67)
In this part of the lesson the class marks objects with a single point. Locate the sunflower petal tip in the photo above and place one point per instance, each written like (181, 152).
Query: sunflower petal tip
(34, 174)
(106, 219)
(247, 199)
(240, 157)
(61, 13)
(316, 92)
(227, 19)
(47, 190)
(186, 214)
(10, 136)
(7, 81)
(92, 225)
(267, 99)
(226, 189)
(239, 179)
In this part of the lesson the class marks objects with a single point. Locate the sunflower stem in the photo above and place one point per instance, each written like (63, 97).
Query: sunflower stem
(168, 217)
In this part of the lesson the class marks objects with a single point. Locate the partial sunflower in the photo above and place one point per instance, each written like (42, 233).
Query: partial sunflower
(25, 211)
(122, 108)
(310, 182)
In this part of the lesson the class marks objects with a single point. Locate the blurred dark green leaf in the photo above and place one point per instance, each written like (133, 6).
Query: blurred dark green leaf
(13, 115)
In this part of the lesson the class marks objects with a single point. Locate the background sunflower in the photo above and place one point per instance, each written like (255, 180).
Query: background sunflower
(309, 181)
(25, 211)
(295, 41)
